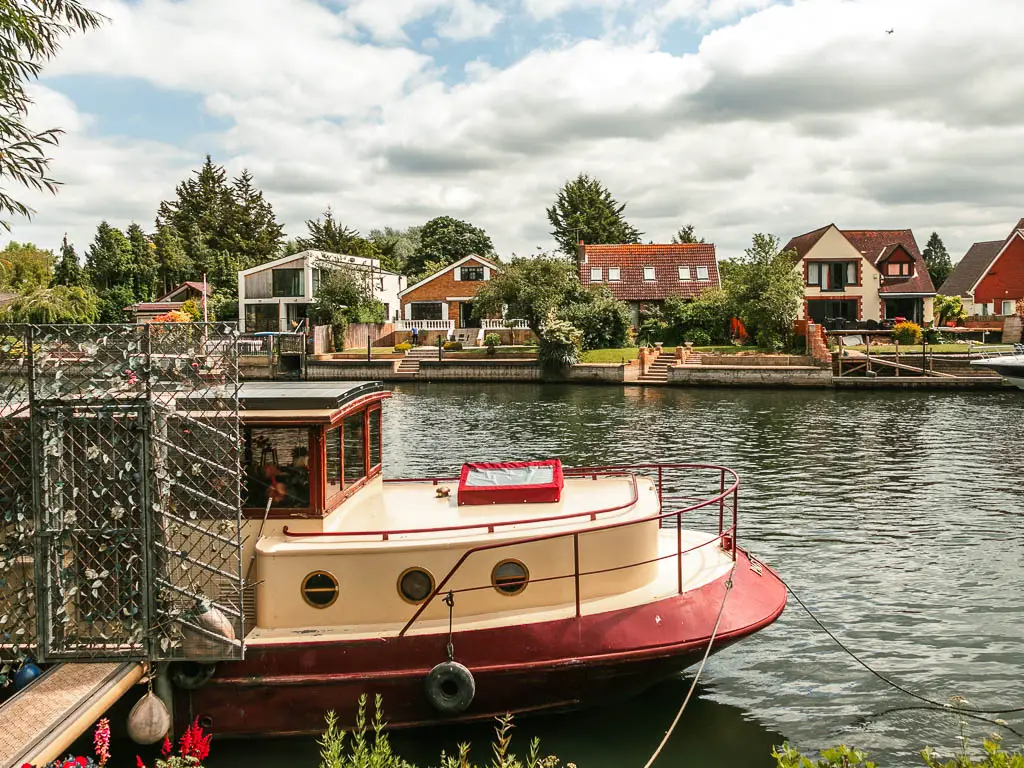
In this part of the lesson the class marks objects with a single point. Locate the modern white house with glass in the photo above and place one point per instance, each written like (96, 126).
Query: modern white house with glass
(276, 296)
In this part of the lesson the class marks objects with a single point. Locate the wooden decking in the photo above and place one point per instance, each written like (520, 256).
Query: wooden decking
(42, 721)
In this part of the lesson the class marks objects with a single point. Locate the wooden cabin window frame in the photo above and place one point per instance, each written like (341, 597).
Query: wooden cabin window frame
(314, 468)
(369, 471)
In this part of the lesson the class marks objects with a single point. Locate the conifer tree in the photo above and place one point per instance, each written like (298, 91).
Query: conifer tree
(326, 233)
(685, 235)
(68, 270)
(144, 266)
(172, 263)
(936, 259)
(585, 210)
(257, 234)
(108, 262)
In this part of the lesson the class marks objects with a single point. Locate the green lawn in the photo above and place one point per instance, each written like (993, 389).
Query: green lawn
(625, 354)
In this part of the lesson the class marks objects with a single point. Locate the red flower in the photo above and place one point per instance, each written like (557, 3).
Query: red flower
(194, 743)
(81, 761)
(139, 763)
(165, 748)
(27, 765)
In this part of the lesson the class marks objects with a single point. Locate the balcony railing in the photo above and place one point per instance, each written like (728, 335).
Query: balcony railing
(497, 325)
(424, 325)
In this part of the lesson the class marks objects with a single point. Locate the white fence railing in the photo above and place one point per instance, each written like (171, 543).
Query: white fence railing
(497, 325)
(424, 325)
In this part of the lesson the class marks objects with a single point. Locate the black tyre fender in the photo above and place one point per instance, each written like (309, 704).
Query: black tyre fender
(190, 675)
(450, 688)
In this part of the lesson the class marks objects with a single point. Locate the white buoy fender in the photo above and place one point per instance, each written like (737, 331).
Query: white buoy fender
(149, 721)
(210, 618)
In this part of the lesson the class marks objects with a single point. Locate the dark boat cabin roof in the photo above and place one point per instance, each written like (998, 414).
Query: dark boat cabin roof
(308, 446)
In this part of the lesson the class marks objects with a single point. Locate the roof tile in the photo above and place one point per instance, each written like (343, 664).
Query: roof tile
(664, 258)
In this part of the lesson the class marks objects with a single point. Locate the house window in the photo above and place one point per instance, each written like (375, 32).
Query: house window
(649, 273)
(261, 318)
(287, 282)
(898, 269)
(1009, 306)
(595, 274)
(832, 275)
(684, 273)
(702, 273)
(471, 274)
(613, 273)
(426, 310)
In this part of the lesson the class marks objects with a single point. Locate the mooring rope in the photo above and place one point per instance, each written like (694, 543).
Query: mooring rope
(696, 677)
(947, 707)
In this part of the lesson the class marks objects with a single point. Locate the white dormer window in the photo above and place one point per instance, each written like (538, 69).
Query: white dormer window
(649, 273)
(595, 274)
(684, 273)
(702, 273)
(613, 273)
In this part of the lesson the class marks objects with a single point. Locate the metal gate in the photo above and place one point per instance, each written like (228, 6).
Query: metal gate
(120, 498)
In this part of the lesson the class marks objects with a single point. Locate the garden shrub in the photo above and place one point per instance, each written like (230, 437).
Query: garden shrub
(698, 337)
(602, 319)
(907, 333)
(709, 312)
(453, 346)
(491, 340)
(560, 343)
(405, 346)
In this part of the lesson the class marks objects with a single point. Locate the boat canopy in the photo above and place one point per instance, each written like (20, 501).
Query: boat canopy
(511, 482)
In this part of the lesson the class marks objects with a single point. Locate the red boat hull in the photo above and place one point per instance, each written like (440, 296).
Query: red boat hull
(288, 688)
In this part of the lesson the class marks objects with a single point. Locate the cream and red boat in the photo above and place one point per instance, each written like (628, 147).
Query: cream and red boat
(549, 587)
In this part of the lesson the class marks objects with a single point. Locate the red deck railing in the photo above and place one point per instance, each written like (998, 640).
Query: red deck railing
(667, 495)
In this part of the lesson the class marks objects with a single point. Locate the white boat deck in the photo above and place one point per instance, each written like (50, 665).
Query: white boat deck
(415, 507)
(701, 566)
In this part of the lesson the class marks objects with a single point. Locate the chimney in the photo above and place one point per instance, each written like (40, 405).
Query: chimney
(581, 253)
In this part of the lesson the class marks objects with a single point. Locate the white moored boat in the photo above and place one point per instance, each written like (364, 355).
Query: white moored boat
(1010, 367)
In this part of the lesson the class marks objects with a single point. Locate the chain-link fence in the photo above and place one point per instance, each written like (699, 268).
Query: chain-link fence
(120, 502)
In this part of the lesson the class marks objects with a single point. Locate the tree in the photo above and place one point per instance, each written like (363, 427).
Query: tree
(395, 246)
(585, 210)
(59, 304)
(936, 259)
(144, 263)
(108, 261)
(685, 235)
(602, 319)
(447, 240)
(328, 234)
(113, 302)
(204, 205)
(30, 35)
(344, 296)
(172, 263)
(560, 344)
(256, 232)
(23, 266)
(68, 270)
(766, 291)
(706, 315)
(529, 289)
(949, 309)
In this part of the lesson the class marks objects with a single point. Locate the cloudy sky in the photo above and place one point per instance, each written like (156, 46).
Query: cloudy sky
(735, 115)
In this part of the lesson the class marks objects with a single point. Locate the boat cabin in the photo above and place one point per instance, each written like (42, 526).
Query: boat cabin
(308, 446)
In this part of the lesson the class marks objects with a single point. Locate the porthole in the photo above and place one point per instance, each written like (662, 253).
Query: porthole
(510, 577)
(415, 585)
(320, 589)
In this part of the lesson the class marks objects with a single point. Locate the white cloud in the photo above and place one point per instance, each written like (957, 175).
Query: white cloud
(549, 9)
(789, 118)
(459, 19)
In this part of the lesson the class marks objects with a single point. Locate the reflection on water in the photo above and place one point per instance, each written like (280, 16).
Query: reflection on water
(897, 516)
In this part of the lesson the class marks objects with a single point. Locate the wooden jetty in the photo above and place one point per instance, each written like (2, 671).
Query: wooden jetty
(42, 721)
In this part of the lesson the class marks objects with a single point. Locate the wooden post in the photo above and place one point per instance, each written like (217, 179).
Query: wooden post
(867, 353)
(840, 366)
(924, 356)
(369, 354)
(897, 357)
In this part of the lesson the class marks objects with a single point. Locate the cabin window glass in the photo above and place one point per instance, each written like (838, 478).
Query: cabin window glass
(510, 577)
(375, 437)
(333, 444)
(287, 282)
(320, 589)
(355, 449)
(277, 467)
(415, 585)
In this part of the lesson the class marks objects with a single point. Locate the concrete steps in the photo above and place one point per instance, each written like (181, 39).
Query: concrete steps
(658, 372)
(409, 367)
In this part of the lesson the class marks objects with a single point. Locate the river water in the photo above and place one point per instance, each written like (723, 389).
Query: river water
(897, 517)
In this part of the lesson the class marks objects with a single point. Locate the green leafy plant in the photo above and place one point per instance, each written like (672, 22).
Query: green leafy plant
(837, 757)
(368, 746)
(560, 343)
(491, 341)
(698, 337)
(453, 346)
(403, 347)
(949, 309)
(907, 333)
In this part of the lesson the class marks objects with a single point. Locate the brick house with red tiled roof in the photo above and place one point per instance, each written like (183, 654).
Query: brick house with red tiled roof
(145, 311)
(649, 274)
(990, 276)
(862, 275)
